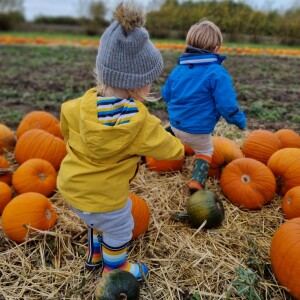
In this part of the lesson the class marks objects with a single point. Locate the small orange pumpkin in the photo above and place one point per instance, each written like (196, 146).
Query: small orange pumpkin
(7, 139)
(35, 175)
(6, 175)
(188, 150)
(141, 215)
(225, 151)
(260, 145)
(291, 203)
(38, 143)
(5, 195)
(284, 253)
(288, 138)
(40, 120)
(285, 165)
(248, 183)
(28, 209)
(164, 165)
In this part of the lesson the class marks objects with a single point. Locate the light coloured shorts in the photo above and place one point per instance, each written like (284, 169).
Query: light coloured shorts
(200, 143)
(116, 225)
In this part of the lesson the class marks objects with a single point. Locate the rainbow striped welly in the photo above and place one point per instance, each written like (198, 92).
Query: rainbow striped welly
(115, 258)
(94, 259)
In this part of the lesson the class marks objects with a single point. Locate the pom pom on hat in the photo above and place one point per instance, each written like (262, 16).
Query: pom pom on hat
(126, 57)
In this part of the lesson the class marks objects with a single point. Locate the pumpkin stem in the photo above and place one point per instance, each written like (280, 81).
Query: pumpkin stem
(246, 178)
(122, 296)
(289, 200)
(42, 176)
(48, 214)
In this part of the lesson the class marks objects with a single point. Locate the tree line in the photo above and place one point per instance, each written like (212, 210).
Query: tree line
(173, 18)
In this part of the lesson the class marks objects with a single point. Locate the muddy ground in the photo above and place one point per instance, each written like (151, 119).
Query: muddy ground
(41, 78)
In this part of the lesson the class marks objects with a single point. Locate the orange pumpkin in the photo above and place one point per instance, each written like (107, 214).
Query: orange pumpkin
(35, 175)
(5, 195)
(285, 249)
(141, 215)
(40, 120)
(28, 209)
(5, 172)
(288, 138)
(164, 165)
(7, 139)
(188, 150)
(285, 165)
(260, 145)
(291, 203)
(248, 183)
(225, 151)
(37, 143)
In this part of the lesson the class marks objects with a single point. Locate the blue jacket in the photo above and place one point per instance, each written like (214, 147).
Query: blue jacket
(198, 92)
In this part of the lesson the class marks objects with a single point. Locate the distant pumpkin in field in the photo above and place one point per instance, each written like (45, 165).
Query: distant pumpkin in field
(40, 120)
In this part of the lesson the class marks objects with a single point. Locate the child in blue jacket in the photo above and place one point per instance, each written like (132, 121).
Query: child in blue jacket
(198, 92)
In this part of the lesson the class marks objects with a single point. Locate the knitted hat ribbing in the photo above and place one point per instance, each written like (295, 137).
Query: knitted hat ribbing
(126, 57)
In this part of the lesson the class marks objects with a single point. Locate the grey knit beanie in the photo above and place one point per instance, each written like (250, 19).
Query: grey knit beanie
(126, 57)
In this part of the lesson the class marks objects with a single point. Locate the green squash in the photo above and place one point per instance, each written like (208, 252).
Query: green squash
(118, 285)
(204, 205)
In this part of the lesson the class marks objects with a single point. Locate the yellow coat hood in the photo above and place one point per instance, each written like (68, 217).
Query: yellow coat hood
(102, 160)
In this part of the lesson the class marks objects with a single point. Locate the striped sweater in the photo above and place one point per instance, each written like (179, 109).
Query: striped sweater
(113, 111)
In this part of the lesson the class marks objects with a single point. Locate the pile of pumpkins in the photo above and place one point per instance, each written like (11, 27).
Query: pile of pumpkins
(266, 163)
(25, 191)
(250, 175)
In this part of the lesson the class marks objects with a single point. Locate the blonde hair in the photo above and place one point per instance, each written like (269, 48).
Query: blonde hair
(204, 35)
(137, 94)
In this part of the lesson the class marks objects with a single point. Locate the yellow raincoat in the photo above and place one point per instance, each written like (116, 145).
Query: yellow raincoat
(102, 160)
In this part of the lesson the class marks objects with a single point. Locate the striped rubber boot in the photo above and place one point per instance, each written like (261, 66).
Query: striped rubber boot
(94, 260)
(199, 175)
(115, 258)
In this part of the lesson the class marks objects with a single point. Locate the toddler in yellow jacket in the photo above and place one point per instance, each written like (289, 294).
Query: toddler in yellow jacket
(107, 130)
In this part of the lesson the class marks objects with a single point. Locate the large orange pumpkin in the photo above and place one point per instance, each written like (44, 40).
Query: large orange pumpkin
(291, 203)
(285, 164)
(40, 120)
(35, 175)
(7, 139)
(28, 209)
(260, 145)
(5, 195)
(164, 165)
(225, 151)
(5, 171)
(38, 143)
(141, 215)
(285, 249)
(248, 183)
(288, 138)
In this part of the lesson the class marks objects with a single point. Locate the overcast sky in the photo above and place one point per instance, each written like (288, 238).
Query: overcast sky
(33, 8)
